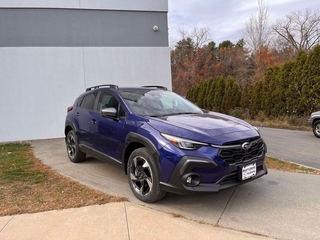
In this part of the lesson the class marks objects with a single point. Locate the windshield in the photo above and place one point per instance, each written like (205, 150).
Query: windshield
(158, 103)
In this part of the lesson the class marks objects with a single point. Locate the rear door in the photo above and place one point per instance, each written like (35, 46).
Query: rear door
(84, 118)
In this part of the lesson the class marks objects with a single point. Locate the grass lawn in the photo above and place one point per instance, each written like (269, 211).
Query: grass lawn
(28, 186)
(276, 164)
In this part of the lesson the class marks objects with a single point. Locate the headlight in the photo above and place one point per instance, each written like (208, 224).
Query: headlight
(183, 143)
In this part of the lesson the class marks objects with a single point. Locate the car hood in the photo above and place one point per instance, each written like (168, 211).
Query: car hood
(214, 128)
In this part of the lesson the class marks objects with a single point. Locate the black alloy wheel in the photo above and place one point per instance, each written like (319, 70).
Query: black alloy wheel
(144, 176)
(74, 153)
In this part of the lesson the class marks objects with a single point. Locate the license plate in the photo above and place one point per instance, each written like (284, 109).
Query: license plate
(249, 171)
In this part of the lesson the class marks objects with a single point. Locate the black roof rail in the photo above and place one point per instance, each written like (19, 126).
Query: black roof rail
(103, 85)
(154, 86)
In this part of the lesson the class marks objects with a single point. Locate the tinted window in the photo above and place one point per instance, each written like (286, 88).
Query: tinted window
(107, 100)
(104, 101)
(88, 101)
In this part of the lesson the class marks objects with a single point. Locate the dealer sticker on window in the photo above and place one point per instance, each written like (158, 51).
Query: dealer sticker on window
(249, 171)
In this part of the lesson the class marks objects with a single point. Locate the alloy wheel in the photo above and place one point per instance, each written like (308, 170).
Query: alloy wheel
(141, 176)
(71, 146)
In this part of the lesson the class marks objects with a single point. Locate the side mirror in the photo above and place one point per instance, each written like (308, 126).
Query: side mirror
(109, 112)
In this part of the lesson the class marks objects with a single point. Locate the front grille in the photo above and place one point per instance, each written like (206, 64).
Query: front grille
(234, 176)
(229, 178)
(238, 154)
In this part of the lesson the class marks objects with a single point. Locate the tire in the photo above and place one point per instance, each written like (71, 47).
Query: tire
(144, 176)
(73, 150)
(316, 128)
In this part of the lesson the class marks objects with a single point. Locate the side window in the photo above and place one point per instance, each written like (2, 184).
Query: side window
(104, 101)
(107, 100)
(88, 101)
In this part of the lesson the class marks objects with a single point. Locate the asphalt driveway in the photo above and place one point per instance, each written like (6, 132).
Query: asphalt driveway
(280, 205)
(301, 147)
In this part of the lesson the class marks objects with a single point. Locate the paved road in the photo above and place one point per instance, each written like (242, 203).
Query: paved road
(279, 205)
(295, 146)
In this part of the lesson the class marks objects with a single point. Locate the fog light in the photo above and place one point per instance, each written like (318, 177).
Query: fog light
(189, 179)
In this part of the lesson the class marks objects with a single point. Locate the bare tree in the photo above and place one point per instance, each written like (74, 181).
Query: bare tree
(257, 32)
(300, 30)
(199, 36)
(258, 39)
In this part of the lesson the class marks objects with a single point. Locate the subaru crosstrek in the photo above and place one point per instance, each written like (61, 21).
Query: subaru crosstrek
(163, 142)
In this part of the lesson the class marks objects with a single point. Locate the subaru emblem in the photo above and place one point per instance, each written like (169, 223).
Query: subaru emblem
(246, 146)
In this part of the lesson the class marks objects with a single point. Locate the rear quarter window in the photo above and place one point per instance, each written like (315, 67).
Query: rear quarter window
(88, 101)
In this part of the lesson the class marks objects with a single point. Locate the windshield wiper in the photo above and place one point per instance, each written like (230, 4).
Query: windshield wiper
(179, 113)
(173, 114)
(182, 113)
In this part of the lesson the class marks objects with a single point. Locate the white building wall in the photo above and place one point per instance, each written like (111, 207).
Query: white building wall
(37, 84)
(43, 82)
(128, 66)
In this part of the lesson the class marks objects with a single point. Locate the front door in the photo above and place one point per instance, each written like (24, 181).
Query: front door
(107, 132)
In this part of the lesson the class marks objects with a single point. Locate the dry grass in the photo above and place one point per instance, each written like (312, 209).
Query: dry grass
(279, 124)
(292, 122)
(276, 164)
(28, 186)
(177, 215)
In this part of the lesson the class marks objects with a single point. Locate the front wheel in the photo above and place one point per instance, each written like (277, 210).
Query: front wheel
(144, 176)
(316, 128)
(74, 153)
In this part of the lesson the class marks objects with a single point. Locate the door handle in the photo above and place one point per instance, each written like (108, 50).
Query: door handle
(77, 114)
(93, 121)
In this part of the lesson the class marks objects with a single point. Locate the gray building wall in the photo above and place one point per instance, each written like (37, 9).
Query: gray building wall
(82, 28)
(50, 51)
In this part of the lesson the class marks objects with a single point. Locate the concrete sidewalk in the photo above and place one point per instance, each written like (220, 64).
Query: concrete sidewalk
(123, 220)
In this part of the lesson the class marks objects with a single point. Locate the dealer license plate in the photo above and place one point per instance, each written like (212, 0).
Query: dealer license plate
(249, 171)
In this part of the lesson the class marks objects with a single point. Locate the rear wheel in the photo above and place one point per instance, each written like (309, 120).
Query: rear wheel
(144, 176)
(74, 153)
(316, 128)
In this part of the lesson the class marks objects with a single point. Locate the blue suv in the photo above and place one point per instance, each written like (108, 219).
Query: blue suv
(163, 142)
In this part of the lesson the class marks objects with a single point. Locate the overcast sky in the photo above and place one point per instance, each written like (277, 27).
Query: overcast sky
(226, 19)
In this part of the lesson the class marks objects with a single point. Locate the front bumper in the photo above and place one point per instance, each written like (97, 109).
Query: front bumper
(178, 184)
(310, 121)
